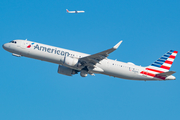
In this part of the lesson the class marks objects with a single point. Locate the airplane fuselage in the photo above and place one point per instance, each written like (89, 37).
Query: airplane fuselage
(59, 55)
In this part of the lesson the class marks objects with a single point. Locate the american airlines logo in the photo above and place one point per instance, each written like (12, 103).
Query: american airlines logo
(29, 46)
(51, 50)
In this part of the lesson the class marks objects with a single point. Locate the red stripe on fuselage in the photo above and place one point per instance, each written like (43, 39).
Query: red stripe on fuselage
(146, 73)
(154, 70)
(153, 75)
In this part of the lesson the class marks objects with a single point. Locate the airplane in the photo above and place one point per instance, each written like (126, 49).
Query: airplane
(74, 11)
(72, 62)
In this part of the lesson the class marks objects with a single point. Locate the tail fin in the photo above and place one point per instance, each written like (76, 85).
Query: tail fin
(163, 64)
(67, 10)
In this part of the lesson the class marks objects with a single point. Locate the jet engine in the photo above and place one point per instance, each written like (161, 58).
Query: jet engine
(84, 73)
(73, 62)
(66, 71)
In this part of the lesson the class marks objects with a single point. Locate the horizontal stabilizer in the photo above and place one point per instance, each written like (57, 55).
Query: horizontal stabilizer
(166, 73)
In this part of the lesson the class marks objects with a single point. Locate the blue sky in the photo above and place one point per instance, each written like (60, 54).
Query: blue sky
(33, 90)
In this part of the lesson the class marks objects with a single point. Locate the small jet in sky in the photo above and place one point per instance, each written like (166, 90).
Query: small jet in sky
(74, 11)
(72, 62)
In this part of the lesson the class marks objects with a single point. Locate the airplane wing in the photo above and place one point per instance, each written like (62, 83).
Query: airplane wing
(91, 60)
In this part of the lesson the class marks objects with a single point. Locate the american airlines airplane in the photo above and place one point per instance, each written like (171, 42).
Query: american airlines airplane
(71, 62)
(74, 11)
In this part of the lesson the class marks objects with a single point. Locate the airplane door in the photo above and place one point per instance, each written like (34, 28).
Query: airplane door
(23, 45)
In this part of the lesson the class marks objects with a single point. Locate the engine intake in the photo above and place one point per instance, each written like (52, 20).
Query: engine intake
(69, 61)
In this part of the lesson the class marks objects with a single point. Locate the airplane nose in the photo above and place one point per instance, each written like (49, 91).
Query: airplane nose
(5, 46)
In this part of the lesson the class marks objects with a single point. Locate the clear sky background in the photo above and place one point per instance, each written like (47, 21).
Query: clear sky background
(33, 90)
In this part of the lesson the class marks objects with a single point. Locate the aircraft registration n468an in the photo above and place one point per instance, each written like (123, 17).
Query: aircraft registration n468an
(72, 62)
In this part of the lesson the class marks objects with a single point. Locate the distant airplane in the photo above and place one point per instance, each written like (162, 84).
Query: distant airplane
(74, 11)
(71, 62)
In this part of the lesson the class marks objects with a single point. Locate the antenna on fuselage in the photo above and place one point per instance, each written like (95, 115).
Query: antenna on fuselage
(26, 39)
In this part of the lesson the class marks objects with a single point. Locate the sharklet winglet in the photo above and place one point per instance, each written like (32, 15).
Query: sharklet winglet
(117, 45)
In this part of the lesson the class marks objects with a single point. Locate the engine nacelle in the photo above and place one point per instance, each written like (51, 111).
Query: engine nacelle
(66, 71)
(83, 73)
(69, 61)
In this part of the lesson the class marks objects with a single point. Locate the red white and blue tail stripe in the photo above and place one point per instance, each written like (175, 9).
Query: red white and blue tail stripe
(165, 62)
(162, 65)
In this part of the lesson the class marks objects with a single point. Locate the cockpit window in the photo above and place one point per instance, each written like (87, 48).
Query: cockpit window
(13, 42)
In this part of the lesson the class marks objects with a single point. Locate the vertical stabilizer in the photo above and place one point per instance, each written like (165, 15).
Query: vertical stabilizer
(160, 68)
(67, 10)
(164, 63)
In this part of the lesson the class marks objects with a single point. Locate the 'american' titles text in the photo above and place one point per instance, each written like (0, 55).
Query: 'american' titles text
(50, 50)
